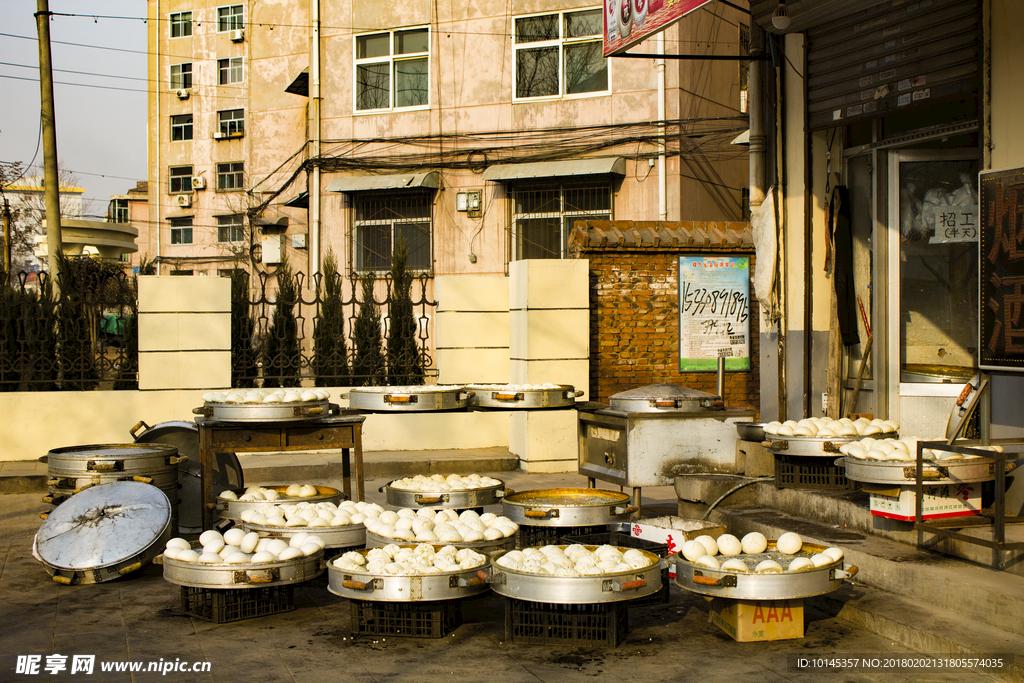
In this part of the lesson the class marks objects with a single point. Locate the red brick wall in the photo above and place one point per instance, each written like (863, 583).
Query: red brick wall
(634, 325)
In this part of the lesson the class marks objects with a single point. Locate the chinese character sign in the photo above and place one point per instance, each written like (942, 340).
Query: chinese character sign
(714, 313)
(627, 22)
(1001, 222)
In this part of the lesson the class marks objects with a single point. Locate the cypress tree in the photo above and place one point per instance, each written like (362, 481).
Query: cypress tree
(244, 349)
(330, 354)
(368, 364)
(284, 360)
(404, 363)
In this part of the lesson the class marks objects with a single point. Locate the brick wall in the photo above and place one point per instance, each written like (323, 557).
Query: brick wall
(634, 324)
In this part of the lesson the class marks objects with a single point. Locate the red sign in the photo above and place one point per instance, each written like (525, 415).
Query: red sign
(627, 22)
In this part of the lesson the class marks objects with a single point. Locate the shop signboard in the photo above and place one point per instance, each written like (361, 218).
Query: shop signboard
(1001, 300)
(628, 22)
(714, 312)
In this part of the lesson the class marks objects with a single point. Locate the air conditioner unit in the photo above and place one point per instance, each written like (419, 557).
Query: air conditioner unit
(237, 36)
(219, 135)
(182, 93)
(199, 183)
(184, 200)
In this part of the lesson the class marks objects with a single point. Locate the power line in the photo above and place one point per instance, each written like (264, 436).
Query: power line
(128, 78)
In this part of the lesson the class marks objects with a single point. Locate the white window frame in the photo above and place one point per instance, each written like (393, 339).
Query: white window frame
(561, 42)
(235, 227)
(171, 178)
(240, 173)
(390, 60)
(177, 18)
(180, 230)
(119, 209)
(229, 65)
(190, 126)
(231, 18)
(180, 76)
(231, 127)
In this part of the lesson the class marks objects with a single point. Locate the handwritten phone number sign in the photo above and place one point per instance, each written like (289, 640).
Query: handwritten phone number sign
(714, 313)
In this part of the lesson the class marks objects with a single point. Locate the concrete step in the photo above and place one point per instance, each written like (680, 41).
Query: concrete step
(961, 589)
(920, 626)
(851, 510)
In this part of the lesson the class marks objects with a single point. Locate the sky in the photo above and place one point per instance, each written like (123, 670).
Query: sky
(101, 131)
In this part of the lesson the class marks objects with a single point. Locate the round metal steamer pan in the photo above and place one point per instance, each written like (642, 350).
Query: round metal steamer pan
(252, 575)
(567, 507)
(233, 509)
(127, 459)
(264, 412)
(408, 588)
(109, 572)
(579, 590)
(348, 536)
(387, 399)
(905, 471)
(468, 498)
(507, 543)
(815, 446)
(493, 396)
(751, 586)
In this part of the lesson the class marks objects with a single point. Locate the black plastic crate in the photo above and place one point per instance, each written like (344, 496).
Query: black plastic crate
(221, 605)
(530, 535)
(425, 619)
(624, 540)
(810, 472)
(588, 625)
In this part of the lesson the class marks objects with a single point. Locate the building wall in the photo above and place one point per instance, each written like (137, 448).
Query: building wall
(634, 324)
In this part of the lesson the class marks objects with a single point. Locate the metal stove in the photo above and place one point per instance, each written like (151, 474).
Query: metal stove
(649, 435)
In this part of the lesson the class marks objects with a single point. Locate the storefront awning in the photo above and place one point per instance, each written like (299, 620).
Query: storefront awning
(555, 169)
(401, 181)
(301, 201)
(300, 86)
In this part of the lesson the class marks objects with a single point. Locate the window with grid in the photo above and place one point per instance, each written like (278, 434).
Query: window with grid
(181, 76)
(119, 210)
(384, 220)
(229, 175)
(181, 24)
(560, 54)
(181, 128)
(231, 122)
(180, 179)
(230, 18)
(393, 69)
(229, 70)
(545, 213)
(181, 230)
(229, 228)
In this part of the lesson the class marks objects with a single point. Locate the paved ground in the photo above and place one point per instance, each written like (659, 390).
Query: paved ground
(136, 618)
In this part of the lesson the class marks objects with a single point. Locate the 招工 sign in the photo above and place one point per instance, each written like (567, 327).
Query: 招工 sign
(714, 312)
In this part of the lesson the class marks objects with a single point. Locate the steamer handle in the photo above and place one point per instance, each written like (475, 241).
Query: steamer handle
(141, 425)
(130, 568)
(630, 585)
(177, 459)
(144, 480)
(540, 514)
(357, 585)
(847, 572)
(258, 578)
(43, 458)
(705, 580)
(427, 500)
(479, 580)
(62, 579)
(625, 511)
(501, 494)
(205, 411)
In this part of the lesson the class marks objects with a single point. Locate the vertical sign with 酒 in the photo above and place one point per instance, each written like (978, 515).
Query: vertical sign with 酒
(714, 312)
(1001, 273)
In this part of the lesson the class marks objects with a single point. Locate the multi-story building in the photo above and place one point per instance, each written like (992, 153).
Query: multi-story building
(475, 134)
(27, 201)
(133, 208)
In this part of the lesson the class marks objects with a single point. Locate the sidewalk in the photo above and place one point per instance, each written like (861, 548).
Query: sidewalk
(136, 618)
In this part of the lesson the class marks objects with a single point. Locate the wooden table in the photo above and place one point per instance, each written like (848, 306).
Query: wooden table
(327, 433)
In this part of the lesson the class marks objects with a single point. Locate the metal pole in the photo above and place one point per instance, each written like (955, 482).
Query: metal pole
(51, 182)
(7, 236)
(314, 103)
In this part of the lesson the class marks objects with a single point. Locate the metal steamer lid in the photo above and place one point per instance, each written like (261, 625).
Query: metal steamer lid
(664, 397)
(103, 525)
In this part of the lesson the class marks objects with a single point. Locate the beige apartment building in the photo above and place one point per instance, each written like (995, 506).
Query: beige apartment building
(476, 133)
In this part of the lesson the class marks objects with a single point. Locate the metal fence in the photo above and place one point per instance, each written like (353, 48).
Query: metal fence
(289, 331)
(78, 336)
(330, 331)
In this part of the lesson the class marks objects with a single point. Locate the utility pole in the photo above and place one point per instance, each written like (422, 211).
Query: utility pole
(51, 183)
(7, 237)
